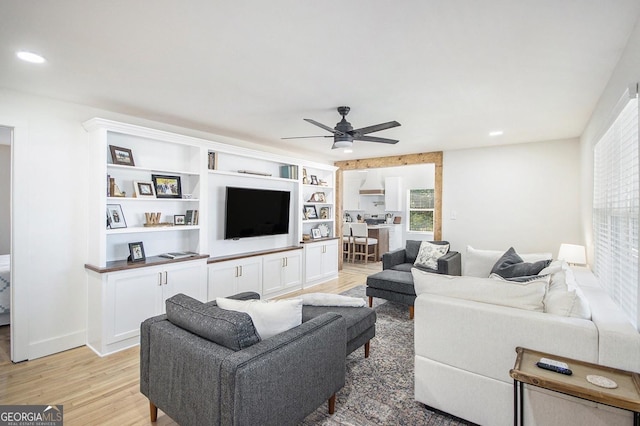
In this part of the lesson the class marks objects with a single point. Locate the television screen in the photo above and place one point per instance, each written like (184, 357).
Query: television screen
(255, 212)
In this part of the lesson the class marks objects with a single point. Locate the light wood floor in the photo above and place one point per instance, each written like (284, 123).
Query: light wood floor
(105, 391)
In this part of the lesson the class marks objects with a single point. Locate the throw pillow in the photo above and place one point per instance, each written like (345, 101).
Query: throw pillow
(504, 293)
(233, 330)
(512, 265)
(524, 279)
(270, 317)
(478, 263)
(429, 254)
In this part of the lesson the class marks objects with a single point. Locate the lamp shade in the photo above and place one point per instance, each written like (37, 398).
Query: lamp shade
(573, 253)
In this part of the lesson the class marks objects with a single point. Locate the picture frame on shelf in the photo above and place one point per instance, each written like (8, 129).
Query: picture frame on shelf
(325, 213)
(136, 252)
(310, 212)
(143, 189)
(167, 186)
(179, 219)
(115, 217)
(314, 180)
(121, 156)
(315, 233)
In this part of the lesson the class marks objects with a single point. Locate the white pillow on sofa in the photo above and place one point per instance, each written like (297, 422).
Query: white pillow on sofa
(270, 317)
(565, 298)
(527, 295)
(478, 263)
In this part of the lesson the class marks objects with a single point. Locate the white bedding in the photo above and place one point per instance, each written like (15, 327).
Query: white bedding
(5, 283)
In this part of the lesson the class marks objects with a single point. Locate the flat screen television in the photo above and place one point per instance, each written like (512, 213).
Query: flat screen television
(253, 212)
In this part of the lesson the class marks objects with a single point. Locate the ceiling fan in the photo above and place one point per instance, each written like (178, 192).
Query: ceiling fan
(344, 134)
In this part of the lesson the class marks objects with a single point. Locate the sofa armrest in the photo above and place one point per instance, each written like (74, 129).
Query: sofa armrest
(393, 258)
(481, 337)
(450, 264)
(300, 368)
(145, 339)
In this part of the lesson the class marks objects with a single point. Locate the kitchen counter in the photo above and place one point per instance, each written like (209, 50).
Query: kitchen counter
(381, 232)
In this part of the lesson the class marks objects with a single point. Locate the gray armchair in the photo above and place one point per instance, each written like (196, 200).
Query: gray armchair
(203, 365)
(402, 259)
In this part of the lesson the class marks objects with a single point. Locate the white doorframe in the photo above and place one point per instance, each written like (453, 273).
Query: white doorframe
(19, 247)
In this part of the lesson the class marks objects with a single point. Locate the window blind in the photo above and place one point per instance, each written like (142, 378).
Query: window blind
(616, 202)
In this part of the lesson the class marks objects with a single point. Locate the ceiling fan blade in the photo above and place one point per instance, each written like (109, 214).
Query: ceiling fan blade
(322, 126)
(376, 128)
(307, 137)
(375, 139)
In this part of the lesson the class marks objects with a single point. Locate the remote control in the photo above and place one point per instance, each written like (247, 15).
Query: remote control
(555, 368)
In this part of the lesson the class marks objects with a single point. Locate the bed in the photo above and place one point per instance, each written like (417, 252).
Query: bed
(5, 288)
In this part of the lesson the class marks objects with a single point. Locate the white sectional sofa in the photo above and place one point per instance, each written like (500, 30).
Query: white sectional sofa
(464, 348)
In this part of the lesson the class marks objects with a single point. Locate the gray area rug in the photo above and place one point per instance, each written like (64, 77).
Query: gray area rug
(379, 389)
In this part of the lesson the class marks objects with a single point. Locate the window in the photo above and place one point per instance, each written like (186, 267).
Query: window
(421, 208)
(616, 201)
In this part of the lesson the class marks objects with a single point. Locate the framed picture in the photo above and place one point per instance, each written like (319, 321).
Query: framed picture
(325, 213)
(121, 156)
(115, 217)
(167, 186)
(315, 233)
(179, 219)
(136, 252)
(314, 180)
(144, 189)
(310, 212)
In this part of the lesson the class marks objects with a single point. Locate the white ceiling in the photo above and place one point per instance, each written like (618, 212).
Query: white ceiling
(449, 71)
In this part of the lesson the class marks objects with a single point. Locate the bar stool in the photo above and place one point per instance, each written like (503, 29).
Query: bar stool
(347, 240)
(362, 243)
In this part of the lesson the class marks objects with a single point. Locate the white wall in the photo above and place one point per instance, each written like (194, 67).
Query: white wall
(5, 196)
(626, 72)
(525, 196)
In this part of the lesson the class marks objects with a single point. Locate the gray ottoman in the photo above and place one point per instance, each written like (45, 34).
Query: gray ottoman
(361, 324)
(393, 285)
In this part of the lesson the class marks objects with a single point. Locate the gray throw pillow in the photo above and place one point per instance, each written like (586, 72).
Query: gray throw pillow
(511, 265)
(231, 329)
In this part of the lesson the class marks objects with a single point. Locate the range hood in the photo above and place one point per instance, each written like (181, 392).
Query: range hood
(372, 184)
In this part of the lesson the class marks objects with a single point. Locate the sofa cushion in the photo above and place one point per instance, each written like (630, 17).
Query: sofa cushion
(429, 254)
(511, 265)
(527, 295)
(404, 267)
(478, 263)
(270, 317)
(233, 330)
(395, 281)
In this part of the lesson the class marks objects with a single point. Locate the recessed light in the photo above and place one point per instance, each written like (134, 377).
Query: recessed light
(34, 58)
(496, 133)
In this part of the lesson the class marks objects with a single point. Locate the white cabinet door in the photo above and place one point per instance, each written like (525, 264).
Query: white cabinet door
(282, 272)
(233, 277)
(330, 259)
(185, 278)
(131, 297)
(393, 194)
(395, 237)
(313, 262)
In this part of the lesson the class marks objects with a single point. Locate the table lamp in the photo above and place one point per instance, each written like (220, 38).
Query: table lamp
(573, 254)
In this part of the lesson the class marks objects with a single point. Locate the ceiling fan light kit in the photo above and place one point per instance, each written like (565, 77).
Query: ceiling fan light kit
(344, 134)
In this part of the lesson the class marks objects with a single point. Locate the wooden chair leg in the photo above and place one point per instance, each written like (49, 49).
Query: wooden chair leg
(332, 404)
(411, 312)
(153, 411)
(366, 349)
(371, 301)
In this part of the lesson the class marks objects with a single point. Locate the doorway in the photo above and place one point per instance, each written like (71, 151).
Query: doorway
(5, 243)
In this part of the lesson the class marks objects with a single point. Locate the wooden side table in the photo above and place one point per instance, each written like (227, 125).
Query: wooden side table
(626, 396)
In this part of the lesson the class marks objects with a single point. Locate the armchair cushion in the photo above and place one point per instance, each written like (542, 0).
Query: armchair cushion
(233, 330)
(270, 317)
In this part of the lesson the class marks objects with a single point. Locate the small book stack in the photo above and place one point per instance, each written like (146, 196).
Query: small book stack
(289, 172)
(191, 218)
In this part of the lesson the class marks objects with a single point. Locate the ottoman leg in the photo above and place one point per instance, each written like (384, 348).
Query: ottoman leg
(370, 301)
(366, 349)
(411, 312)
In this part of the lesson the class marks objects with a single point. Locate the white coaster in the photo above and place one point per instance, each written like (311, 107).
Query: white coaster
(601, 381)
